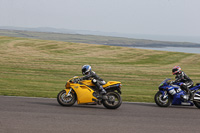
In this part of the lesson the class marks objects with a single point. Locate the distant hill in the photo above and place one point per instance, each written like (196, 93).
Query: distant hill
(51, 34)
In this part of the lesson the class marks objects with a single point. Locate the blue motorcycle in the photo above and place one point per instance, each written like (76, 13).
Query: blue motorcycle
(170, 94)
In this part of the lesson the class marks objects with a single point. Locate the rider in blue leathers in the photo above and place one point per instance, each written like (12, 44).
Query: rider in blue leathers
(187, 82)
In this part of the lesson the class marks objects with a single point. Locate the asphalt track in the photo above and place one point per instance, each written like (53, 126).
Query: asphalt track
(43, 115)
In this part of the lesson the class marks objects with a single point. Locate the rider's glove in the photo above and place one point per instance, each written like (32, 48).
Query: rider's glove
(171, 82)
(76, 80)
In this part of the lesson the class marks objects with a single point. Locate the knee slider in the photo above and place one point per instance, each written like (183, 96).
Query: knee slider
(94, 80)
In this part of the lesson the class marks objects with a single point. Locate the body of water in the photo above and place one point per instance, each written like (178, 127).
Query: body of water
(175, 49)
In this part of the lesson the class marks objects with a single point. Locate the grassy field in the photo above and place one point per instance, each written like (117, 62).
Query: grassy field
(40, 68)
(94, 39)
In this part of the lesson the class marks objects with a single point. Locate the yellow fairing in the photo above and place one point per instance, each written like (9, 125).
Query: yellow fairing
(67, 90)
(87, 82)
(84, 93)
(109, 83)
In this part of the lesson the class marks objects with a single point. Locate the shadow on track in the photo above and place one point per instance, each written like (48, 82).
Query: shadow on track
(73, 106)
(88, 106)
(154, 105)
(43, 103)
(183, 106)
(55, 104)
(142, 104)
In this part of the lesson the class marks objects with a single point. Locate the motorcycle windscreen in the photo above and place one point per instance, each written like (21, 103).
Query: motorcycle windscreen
(84, 94)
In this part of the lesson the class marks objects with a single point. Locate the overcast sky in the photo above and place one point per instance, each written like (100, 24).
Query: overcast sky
(154, 17)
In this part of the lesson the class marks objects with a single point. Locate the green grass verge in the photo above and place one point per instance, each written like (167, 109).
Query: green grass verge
(40, 68)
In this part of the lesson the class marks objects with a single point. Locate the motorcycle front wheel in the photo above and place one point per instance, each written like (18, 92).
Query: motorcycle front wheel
(162, 102)
(65, 100)
(113, 101)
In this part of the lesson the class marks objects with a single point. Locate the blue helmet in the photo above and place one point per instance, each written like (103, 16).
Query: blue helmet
(86, 69)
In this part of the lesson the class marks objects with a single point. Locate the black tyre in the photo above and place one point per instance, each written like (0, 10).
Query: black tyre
(197, 102)
(162, 102)
(114, 100)
(65, 100)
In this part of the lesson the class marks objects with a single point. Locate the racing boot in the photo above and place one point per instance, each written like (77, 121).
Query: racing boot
(187, 96)
(102, 91)
(191, 95)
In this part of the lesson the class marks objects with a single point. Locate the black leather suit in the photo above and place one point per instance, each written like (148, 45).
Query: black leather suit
(187, 82)
(95, 79)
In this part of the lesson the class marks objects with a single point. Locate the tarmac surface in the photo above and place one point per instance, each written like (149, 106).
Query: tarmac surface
(44, 115)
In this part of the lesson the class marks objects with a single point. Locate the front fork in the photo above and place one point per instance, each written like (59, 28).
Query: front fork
(68, 94)
(164, 95)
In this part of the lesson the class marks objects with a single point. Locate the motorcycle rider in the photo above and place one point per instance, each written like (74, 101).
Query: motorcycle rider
(187, 82)
(89, 74)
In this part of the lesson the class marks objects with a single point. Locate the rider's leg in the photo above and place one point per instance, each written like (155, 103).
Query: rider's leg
(98, 85)
(190, 84)
(188, 95)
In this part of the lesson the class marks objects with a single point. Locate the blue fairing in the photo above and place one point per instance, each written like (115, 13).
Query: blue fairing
(175, 91)
(195, 88)
(177, 98)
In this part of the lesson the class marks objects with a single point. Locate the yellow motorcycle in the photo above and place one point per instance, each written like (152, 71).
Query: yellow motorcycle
(85, 92)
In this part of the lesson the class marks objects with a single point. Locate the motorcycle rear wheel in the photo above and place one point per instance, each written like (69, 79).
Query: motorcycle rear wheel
(162, 102)
(65, 100)
(197, 103)
(114, 100)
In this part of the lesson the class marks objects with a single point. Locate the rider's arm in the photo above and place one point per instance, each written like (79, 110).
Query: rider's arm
(178, 78)
(86, 77)
(82, 78)
(93, 75)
